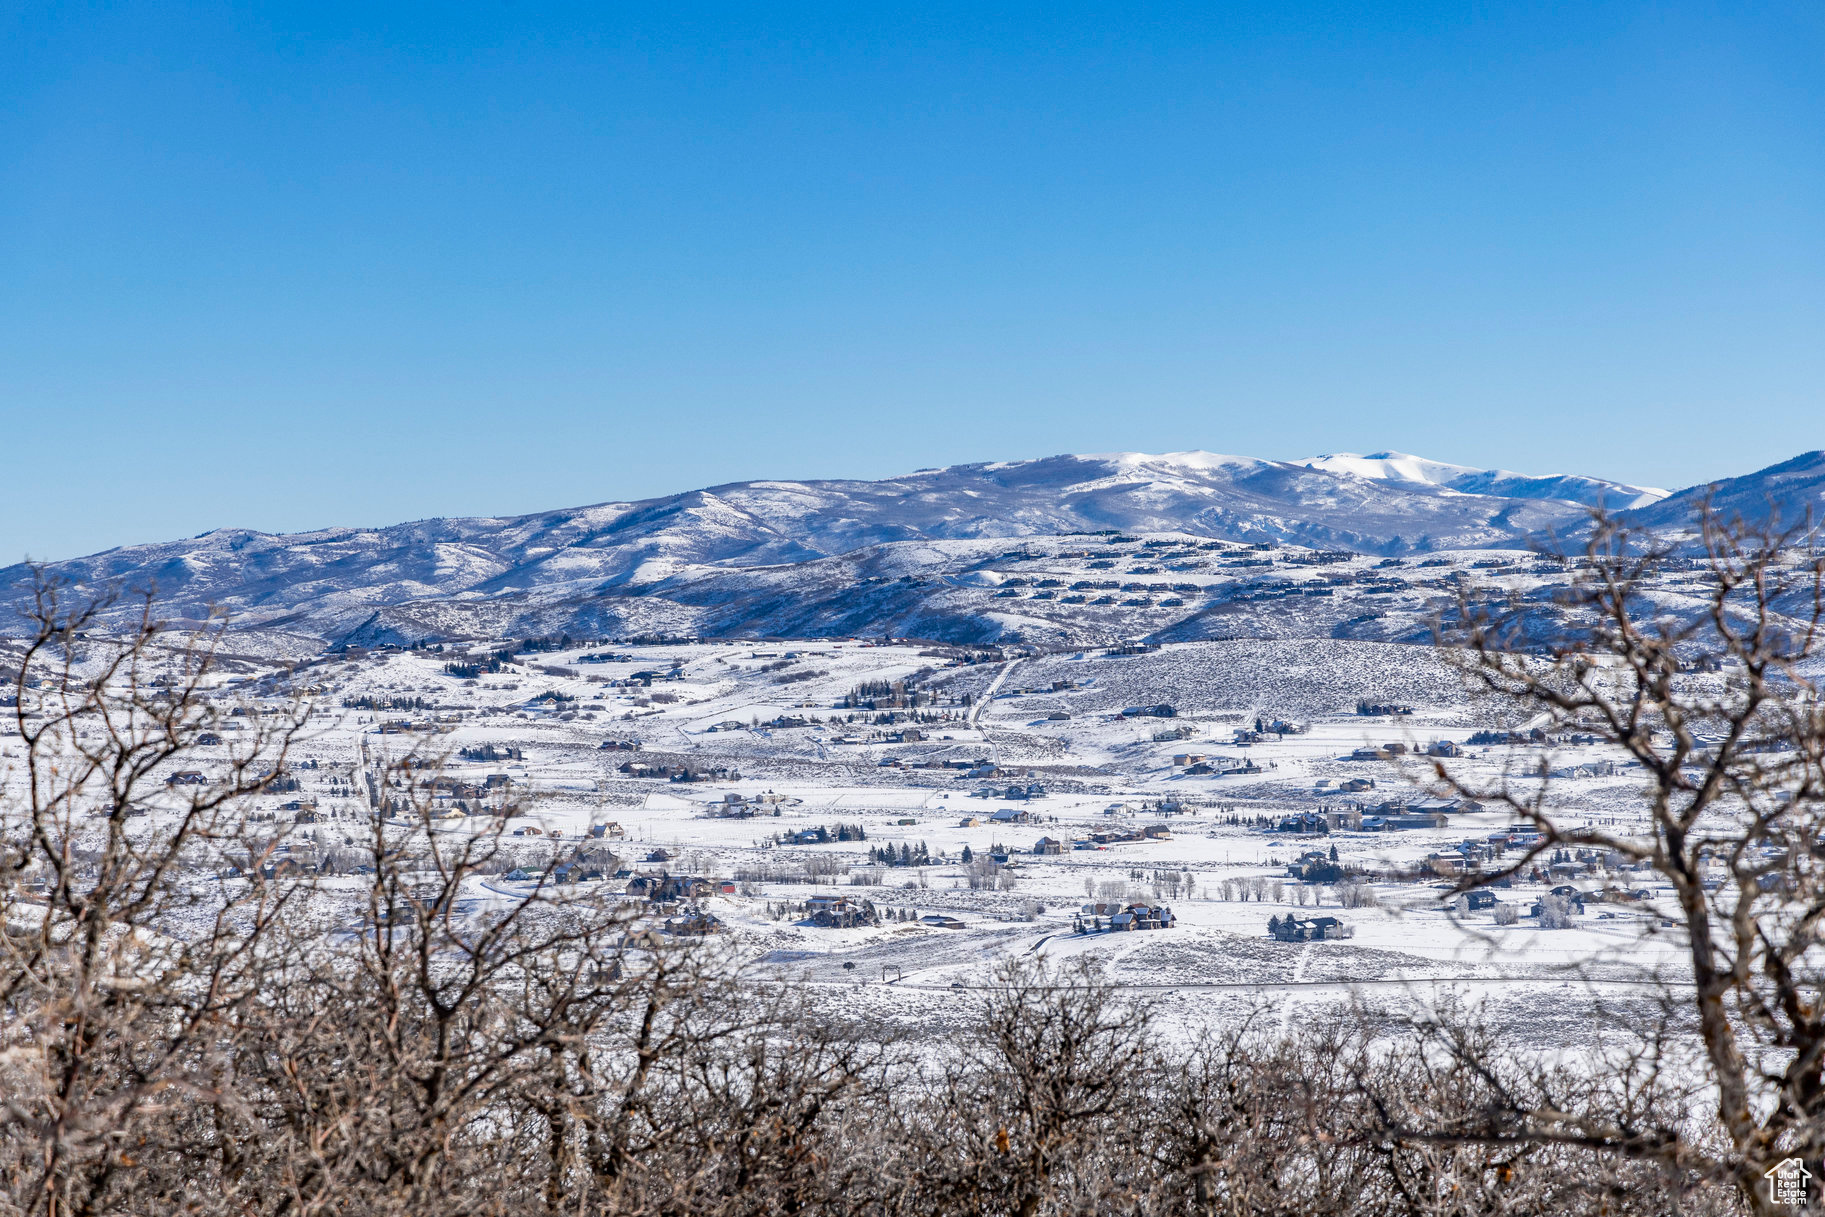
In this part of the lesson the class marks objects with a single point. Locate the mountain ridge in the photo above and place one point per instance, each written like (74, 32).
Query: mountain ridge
(734, 540)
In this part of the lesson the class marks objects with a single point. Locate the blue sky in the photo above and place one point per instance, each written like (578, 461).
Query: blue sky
(288, 266)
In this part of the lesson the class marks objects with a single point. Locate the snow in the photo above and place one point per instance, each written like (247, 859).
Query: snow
(1392, 467)
(657, 564)
(1409, 949)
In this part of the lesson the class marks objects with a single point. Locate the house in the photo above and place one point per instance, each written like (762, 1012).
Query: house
(186, 777)
(659, 855)
(1046, 846)
(695, 924)
(1396, 815)
(1162, 710)
(610, 829)
(576, 872)
(1011, 815)
(1157, 832)
(1121, 918)
(968, 822)
(839, 912)
(1315, 866)
(940, 922)
(1589, 769)
(1343, 819)
(1311, 929)
(717, 774)
(663, 888)
(1572, 898)
(283, 868)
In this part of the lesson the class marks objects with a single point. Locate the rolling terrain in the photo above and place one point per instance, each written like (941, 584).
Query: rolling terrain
(1063, 549)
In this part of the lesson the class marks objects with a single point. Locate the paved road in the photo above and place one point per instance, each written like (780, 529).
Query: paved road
(988, 694)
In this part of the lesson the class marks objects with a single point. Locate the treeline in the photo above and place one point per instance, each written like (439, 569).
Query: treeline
(821, 835)
(489, 752)
(477, 666)
(387, 703)
(904, 855)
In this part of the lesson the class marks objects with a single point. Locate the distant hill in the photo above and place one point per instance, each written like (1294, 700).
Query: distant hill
(800, 557)
(1792, 491)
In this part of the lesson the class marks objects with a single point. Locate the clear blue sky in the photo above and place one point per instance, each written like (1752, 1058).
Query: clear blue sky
(287, 266)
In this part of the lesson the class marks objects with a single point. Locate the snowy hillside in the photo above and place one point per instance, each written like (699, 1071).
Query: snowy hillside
(913, 555)
(1792, 491)
(1401, 467)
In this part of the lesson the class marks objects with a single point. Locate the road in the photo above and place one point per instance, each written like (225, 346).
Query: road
(988, 694)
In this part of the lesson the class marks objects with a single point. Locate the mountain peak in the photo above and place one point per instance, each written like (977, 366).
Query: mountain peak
(1403, 467)
(1196, 458)
(1391, 466)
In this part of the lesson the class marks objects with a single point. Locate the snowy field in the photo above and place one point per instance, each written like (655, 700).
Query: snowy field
(784, 733)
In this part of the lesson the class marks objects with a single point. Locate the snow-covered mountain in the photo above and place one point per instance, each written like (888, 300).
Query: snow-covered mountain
(743, 555)
(1401, 467)
(1792, 493)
